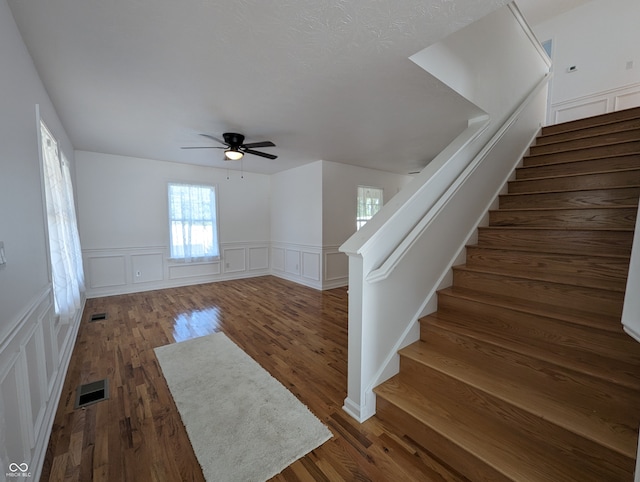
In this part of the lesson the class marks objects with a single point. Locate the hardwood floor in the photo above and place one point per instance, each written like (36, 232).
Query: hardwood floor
(298, 334)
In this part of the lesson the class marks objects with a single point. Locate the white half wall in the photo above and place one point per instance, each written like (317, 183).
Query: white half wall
(401, 257)
(124, 230)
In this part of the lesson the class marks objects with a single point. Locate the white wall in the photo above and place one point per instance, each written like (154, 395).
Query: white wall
(296, 224)
(599, 38)
(296, 205)
(471, 67)
(313, 211)
(339, 206)
(124, 223)
(340, 193)
(34, 347)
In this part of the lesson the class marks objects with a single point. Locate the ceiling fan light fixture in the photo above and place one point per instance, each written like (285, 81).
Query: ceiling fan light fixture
(233, 154)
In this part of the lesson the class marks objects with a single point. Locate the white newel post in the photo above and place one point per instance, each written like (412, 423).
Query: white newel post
(355, 391)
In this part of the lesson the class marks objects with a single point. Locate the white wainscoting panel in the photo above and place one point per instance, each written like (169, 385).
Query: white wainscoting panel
(106, 271)
(292, 261)
(12, 423)
(234, 260)
(193, 270)
(627, 100)
(147, 267)
(317, 267)
(277, 258)
(35, 384)
(258, 258)
(127, 270)
(51, 349)
(34, 355)
(311, 266)
(580, 111)
(336, 268)
(599, 103)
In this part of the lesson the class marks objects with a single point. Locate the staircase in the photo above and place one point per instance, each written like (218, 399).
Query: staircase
(524, 372)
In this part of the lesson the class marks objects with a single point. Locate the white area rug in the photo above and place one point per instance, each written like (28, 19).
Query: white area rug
(244, 425)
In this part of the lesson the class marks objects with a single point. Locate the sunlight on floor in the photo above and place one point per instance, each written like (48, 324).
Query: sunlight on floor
(197, 323)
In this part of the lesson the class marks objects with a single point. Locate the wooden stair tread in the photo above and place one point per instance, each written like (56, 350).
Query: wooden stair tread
(609, 272)
(514, 455)
(552, 293)
(599, 120)
(569, 315)
(542, 276)
(543, 228)
(594, 173)
(587, 153)
(586, 257)
(586, 132)
(590, 216)
(609, 138)
(580, 404)
(559, 199)
(558, 240)
(627, 161)
(605, 355)
(589, 180)
(576, 208)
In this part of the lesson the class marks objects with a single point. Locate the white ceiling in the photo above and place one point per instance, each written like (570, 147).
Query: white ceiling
(322, 79)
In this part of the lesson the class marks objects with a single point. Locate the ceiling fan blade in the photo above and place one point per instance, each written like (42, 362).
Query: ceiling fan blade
(261, 154)
(259, 144)
(215, 139)
(202, 147)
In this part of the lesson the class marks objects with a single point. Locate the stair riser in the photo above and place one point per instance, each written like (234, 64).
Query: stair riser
(624, 125)
(604, 119)
(572, 199)
(508, 319)
(590, 218)
(436, 443)
(585, 181)
(581, 167)
(623, 149)
(425, 380)
(607, 355)
(567, 296)
(587, 242)
(607, 273)
(609, 139)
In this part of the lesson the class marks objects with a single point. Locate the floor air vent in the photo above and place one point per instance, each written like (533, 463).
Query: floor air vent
(98, 317)
(92, 393)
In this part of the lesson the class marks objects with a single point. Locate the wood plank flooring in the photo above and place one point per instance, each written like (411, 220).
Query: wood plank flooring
(296, 333)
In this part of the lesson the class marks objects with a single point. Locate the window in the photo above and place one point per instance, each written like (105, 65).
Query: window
(193, 223)
(369, 203)
(62, 229)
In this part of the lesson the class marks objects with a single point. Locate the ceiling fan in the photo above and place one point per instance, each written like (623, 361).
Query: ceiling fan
(235, 147)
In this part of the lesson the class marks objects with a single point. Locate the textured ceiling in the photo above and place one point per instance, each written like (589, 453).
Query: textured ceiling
(323, 79)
